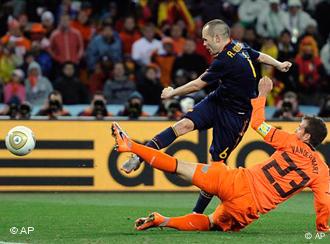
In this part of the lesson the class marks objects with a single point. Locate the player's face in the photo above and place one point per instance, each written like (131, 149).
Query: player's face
(300, 131)
(211, 43)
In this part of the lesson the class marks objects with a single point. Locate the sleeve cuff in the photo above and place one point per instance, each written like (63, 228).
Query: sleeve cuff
(258, 101)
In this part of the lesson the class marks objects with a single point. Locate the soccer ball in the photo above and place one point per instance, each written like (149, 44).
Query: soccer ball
(20, 140)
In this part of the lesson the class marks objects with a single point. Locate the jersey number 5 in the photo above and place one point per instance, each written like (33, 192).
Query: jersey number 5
(283, 172)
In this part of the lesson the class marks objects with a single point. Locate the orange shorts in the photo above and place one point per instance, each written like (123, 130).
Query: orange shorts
(238, 208)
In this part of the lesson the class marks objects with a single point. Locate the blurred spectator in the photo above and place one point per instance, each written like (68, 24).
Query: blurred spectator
(15, 35)
(24, 23)
(311, 30)
(149, 85)
(200, 48)
(275, 95)
(325, 107)
(143, 48)
(187, 104)
(8, 61)
(215, 9)
(144, 13)
(269, 47)
(111, 12)
(107, 43)
(97, 78)
(134, 107)
(53, 106)
(15, 88)
(190, 61)
(170, 12)
(47, 21)
(97, 108)
(68, 7)
(118, 89)
(237, 32)
(18, 7)
(165, 61)
(321, 15)
(270, 22)
(286, 49)
(325, 57)
(296, 20)
(181, 77)
(71, 88)
(37, 86)
(178, 39)
(42, 57)
(38, 33)
(82, 24)
(129, 34)
(25, 110)
(66, 43)
(251, 38)
(249, 10)
(170, 109)
(17, 110)
(311, 70)
(288, 108)
(28, 59)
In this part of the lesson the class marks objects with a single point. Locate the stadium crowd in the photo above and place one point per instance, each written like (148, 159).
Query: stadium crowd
(57, 53)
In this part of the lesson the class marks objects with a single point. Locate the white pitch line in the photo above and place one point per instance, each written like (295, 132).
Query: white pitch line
(4, 242)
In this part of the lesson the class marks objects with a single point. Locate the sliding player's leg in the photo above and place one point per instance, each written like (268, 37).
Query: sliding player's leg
(155, 158)
(161, 140)
(237, 210)
(204, 176)
(189, 222)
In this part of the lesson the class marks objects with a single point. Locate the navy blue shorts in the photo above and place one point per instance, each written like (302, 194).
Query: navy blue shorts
(228, 126)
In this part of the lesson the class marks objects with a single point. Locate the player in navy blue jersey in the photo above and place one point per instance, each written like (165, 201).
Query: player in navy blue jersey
(227, 109)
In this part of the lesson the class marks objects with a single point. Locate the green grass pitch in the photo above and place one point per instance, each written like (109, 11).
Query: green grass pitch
(109, 218)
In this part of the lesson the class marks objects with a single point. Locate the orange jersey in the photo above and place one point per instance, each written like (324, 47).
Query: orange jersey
(294, 166)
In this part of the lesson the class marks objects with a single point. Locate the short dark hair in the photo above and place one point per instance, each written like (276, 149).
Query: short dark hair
(317, 129)
(217, 26)
(55, 93)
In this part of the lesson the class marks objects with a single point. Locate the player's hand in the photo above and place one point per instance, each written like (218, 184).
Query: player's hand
(167, 93)
(265, 86)
(284, 66)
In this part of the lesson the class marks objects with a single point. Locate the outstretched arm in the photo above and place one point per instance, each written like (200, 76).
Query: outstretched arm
(258, 104)
(276, 138)
(281, 66)
(192, 86)
(322, 202)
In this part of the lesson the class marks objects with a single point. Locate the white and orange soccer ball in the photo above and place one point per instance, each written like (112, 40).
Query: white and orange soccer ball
(20, 140)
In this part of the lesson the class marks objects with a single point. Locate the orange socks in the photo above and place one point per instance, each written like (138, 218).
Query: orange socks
(189, 222)
(156, 159)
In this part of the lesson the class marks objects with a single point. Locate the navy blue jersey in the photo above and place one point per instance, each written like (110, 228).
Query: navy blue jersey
(233, 70)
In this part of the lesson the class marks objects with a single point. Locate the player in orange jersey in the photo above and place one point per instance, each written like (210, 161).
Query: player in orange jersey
(247, 192)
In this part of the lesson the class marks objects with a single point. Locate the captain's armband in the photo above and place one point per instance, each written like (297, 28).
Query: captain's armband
(264, 129)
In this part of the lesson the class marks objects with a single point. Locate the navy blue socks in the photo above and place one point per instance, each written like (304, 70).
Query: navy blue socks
(162, 140)
(202, 202)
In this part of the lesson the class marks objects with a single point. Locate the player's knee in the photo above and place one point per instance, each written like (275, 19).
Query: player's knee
(183, 126)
